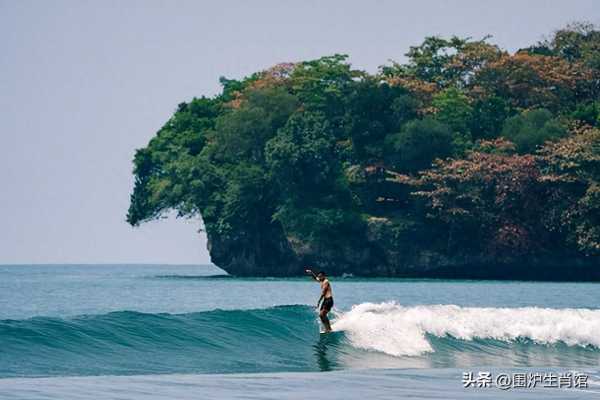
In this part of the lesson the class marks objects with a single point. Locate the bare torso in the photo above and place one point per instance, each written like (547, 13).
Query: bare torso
(326, 288)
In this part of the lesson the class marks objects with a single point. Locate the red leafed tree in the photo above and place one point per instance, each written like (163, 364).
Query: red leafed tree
(572, 167)
(492, 198)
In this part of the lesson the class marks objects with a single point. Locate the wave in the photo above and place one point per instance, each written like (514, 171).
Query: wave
(402, 331)
(128, 342)
(286, 338)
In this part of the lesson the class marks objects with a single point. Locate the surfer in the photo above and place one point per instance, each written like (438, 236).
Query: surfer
(326, 297)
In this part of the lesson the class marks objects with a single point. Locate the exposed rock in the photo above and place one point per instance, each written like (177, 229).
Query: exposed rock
(278, 255)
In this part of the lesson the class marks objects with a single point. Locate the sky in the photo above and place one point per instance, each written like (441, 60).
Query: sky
(85, 83)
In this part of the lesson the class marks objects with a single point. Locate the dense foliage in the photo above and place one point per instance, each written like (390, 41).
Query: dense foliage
(464, 148)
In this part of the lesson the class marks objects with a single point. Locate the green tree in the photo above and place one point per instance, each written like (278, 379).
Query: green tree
(165, 168)
(453, 109)
(531, 129)
(444, 62)
(419, 143)
(242, 133)
(488, 117)
(315, 199)
(322, 84)
(372, 110)
(588, 113)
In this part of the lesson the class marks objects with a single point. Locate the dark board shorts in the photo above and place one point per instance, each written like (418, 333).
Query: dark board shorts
(327, 304)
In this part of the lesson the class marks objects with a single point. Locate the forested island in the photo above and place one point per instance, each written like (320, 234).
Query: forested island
(465, 161)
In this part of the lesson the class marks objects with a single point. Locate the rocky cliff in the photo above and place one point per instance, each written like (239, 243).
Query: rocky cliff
(280, 256)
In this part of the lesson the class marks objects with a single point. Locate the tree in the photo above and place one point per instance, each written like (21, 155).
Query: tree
(302, 155)
(322, 84)
(572, 167)
(488, 117)
(418, 144)
(242, 133)
(579, 41)
(453, 109)
(531, 129)
(439, 63)
(530, 81)
(372, 110)
(445, 62)
(588, 113)
(315, 199)
(164, 169)
(491, 196)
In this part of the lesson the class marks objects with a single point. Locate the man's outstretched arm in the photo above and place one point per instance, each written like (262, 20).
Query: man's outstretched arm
(309, 271)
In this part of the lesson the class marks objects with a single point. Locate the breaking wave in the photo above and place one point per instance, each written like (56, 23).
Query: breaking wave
(286, 338)
(403, 331)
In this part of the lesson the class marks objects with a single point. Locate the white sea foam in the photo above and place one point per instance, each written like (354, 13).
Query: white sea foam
(401, 331)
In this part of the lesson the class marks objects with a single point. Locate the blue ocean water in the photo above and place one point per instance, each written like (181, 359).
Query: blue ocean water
(135, 329)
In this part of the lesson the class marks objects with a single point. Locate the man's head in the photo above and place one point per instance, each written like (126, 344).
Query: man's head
(321, 276)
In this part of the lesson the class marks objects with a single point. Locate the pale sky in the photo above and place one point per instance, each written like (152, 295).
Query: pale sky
(85, 83)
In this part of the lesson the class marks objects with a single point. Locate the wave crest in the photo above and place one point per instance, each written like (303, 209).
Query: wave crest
(402, 331)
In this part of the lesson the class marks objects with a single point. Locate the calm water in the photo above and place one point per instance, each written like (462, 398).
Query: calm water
(141, 324)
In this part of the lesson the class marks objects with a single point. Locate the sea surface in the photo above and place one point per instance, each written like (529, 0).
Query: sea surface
(167, 331)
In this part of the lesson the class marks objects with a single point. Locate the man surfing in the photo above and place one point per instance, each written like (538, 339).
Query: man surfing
(326, 297)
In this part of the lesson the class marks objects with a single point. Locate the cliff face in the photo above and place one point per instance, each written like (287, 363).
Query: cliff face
(275, 255)
(265, 253)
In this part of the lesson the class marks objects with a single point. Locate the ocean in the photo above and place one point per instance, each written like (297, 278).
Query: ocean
(168, 331)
